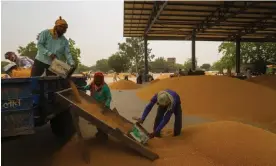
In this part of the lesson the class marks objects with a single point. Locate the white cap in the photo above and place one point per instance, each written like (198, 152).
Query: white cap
(163, 98)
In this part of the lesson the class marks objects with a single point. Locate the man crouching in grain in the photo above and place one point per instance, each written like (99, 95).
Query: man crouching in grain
(169, 103)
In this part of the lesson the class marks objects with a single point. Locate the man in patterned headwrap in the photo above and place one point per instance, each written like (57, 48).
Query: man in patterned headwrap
(168, 103)
(52, 44)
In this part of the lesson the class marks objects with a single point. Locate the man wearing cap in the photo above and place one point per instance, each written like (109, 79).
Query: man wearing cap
(168, 103)
(20, 61)
(52, 44)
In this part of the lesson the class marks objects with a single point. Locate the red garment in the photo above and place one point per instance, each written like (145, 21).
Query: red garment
(93, 86)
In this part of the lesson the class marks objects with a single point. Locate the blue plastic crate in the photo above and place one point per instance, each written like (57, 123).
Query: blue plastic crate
(16, 104)
(17, 123)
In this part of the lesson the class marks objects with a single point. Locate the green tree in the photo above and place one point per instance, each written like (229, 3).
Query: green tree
(205, 66)
(188, 64)
(256, 53)
(75, 52)
(30, 50)
(82, 68)
(133, 48)
(118, 62)
(159, 65)
(3, 64)
(102, 65)
(218, 66)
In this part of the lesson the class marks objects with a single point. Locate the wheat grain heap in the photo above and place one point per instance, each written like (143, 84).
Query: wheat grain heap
(222, 98)
(123, 85)
(265, 80)
(222, 143)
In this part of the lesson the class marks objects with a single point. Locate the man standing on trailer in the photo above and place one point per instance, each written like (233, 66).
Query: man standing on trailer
(52, 44)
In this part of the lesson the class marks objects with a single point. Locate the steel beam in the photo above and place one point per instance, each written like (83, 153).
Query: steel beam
(157, 9)
(174, 38)
(252, 28)
(222, 12)
(146, 58)
(193, 51)
(238, 54)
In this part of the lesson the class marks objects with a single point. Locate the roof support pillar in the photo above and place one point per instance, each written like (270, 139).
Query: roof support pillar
(238, 54)
(193, 51)
(146, 58)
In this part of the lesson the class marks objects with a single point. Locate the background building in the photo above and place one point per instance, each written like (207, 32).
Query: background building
(171, 60)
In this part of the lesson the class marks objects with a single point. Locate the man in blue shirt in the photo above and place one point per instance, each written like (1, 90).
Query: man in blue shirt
(168, 103)
(52, 44)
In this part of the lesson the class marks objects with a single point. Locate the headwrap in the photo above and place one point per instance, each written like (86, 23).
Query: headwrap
(164, 98)
(8, 53)
(60, 21)
(95, 87)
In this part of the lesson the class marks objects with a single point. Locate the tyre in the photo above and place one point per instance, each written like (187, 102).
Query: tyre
(62, 125)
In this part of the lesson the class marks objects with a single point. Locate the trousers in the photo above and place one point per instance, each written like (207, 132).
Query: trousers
(177, 122)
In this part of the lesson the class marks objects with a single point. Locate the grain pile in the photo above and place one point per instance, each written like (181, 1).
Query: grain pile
(123, 85)
(153, 81)
(200, 145)
(21, 73)
(265, 80)
(221, 98)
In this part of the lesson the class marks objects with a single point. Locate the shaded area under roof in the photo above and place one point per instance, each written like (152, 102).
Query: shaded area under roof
(253, 21)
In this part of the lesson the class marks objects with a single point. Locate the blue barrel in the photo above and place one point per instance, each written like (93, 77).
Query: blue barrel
(16, 107)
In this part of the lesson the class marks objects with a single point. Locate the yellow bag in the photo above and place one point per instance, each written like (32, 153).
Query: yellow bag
(21, 73)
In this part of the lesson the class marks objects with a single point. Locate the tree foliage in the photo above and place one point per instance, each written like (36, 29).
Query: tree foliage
(75, 52)
(102, 65)
(133, 48)
(188, 64)
(159, 65)
(119, 62)
(256, 53)
(30, 50)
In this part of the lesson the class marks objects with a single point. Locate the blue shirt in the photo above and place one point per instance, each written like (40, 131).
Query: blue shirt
(168, 114)
(47, 44)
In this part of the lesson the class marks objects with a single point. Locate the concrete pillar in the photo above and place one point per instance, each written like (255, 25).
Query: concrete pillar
(193, 51)
(238, 55)
(146, 58)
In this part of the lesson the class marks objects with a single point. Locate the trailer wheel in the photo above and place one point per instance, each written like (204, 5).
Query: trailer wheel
(62, 125)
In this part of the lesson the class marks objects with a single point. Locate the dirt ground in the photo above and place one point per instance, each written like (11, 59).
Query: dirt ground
(37, 149)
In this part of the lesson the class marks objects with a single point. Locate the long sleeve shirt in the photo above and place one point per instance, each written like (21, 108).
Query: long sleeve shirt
(174, 105)
(102, 96)
(24, 62)
(48, 45)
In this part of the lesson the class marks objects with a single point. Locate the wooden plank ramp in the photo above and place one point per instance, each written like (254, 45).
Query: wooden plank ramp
(66, 96)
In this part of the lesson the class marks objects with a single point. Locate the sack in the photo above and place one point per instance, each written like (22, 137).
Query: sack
(137, 134)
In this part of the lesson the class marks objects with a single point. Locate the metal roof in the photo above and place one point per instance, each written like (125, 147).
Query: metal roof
(210, 20)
